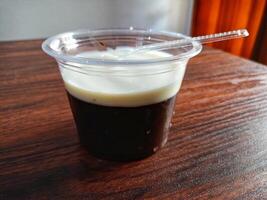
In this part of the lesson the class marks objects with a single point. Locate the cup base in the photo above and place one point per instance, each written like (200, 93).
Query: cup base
(121, 157)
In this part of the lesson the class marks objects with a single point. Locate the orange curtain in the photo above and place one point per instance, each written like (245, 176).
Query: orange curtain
(211, 16)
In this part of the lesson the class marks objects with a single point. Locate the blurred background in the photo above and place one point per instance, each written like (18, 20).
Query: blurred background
(35, 19)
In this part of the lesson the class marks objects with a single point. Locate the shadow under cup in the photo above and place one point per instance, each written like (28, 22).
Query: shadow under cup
(122, 107)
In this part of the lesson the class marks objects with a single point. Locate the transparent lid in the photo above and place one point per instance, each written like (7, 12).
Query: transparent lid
(68, 47)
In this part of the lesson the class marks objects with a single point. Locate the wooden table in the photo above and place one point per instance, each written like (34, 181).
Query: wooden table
(217, 147)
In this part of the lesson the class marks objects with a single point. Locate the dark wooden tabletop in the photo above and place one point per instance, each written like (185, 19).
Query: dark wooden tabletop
(217, 147)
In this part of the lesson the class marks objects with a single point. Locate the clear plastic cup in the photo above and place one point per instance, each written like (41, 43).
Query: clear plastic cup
(122, 107)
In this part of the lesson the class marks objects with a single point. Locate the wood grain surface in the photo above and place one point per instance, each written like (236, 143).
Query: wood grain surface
(217, 147)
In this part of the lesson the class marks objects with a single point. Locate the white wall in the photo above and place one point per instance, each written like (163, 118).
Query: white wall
(28, 19)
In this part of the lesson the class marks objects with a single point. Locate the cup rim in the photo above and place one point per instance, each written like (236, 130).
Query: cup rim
(61, 57)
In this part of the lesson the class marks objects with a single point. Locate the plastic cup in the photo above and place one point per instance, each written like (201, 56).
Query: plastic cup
(122, 107)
